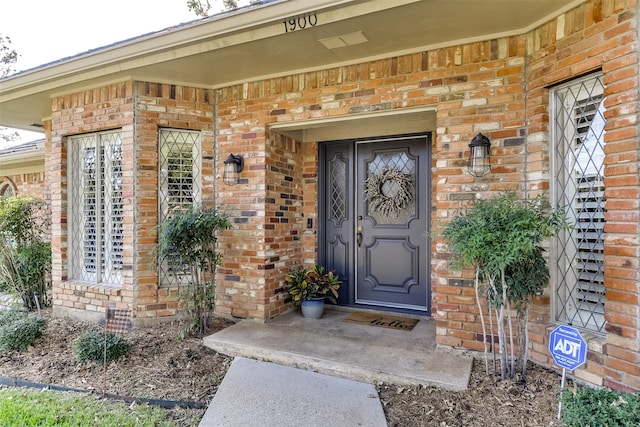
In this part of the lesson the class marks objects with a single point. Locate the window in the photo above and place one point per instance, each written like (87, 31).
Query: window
(578, 185)
(7, 190)
(179, 189)
(95, 208)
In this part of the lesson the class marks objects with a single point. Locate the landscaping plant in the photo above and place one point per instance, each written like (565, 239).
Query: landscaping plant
(25, 255)
(189, 239)
(305, 284)
(600, 407)
(501, 239)
(100, 346)
(18, 330)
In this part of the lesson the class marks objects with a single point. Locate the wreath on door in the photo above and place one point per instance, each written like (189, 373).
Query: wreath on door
(389, 192)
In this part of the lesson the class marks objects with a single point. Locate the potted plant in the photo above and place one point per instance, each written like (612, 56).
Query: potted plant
(311, 287)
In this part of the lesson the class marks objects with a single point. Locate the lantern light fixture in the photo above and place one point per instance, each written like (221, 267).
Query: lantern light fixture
(232, 168)
(479, 156)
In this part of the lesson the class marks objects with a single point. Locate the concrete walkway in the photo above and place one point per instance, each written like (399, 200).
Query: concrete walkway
(262, 394)
(309, 373)
(358, 352)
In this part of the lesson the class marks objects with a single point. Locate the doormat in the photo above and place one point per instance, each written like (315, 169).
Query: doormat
(381, 320)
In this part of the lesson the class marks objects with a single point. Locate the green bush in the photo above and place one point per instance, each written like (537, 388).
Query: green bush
(4, 286)
(9, 316)
(25, 252)
(189, 240)
(90, 346)
(599, 407)
(19, 330)
(503, 240)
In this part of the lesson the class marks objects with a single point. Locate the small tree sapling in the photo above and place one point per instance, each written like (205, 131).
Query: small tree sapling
(502, 239)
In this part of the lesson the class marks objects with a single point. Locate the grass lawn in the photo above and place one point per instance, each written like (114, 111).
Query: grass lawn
(22, 407)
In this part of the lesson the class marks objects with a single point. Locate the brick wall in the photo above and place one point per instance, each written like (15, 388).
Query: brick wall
(98, 109)
(596, 35)
(24, 175)
(269, 206)
(137, 110)
(497, 87)
(476, 88)
(493, 104)
(162, 106)
(602, 35)
(26, 184)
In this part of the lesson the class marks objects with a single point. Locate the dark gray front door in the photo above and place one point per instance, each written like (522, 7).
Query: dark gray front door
(375, 222)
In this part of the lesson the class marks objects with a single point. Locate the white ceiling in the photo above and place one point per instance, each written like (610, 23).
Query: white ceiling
(251, 44)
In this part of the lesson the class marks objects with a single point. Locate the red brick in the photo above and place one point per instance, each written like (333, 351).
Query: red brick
(620, 365)
(476, 91)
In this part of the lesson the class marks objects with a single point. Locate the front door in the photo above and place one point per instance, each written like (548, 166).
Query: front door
(375, 220)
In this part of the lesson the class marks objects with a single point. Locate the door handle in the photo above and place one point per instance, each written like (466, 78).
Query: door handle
(359, 236)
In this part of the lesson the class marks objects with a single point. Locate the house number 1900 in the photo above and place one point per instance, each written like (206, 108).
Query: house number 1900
(301, 22)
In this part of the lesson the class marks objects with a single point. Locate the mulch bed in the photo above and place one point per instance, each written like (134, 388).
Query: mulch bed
(160, 366)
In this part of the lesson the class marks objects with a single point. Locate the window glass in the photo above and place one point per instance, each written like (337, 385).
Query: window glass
(179, 189)
(7, 190)
(96, 208)
(578, 170)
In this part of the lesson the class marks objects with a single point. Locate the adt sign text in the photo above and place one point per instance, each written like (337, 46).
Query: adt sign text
(567, 347)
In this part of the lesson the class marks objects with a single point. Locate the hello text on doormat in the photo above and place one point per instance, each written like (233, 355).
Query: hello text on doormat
(381, 320)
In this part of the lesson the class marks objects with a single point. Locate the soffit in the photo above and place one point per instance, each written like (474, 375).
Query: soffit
(353, 126)
(252, 44)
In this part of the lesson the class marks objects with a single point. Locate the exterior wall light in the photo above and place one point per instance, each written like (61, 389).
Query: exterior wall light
(232, 168)
(479, 156)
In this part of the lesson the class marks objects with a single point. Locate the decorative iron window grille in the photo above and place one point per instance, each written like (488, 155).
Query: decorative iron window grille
(578, 185)
(96, 208)
(399, 164)
(179, 188)
(7, 190)
(338, 188)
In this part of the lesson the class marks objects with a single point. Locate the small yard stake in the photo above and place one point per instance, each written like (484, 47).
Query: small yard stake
(104, 355)
(37, 299)
(569, 350)
(116, 322)
(564, 374)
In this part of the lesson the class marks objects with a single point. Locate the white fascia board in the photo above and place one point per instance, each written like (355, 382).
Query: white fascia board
(22, 156)
(187, 39)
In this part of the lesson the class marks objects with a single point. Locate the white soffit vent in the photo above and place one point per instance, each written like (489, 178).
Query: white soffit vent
(344, 40)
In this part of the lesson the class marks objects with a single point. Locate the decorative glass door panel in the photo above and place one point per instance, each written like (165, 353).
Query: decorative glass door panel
(374, 215)
(391, 224)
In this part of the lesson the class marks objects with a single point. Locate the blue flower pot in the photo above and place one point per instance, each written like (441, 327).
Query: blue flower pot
(313, 308)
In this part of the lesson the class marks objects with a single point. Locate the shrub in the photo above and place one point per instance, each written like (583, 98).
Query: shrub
(596, 407)
(19, 330)
(25, 255)
(502, 238)
(9, 316)
(190, 239)
(90, 346)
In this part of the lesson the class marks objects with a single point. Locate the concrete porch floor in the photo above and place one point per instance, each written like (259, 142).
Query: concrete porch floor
(358, 352)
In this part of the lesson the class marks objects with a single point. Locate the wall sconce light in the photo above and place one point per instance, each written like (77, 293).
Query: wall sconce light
(479, 156)
(232, 168)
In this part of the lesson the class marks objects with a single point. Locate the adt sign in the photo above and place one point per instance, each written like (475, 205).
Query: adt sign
(567, 347)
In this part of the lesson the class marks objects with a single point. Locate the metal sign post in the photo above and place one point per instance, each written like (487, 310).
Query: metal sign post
(115, 322)
(569, 351)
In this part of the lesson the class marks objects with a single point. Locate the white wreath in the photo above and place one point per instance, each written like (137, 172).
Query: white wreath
(389, 205)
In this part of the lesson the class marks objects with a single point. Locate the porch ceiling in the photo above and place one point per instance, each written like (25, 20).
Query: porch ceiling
(252, 43)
